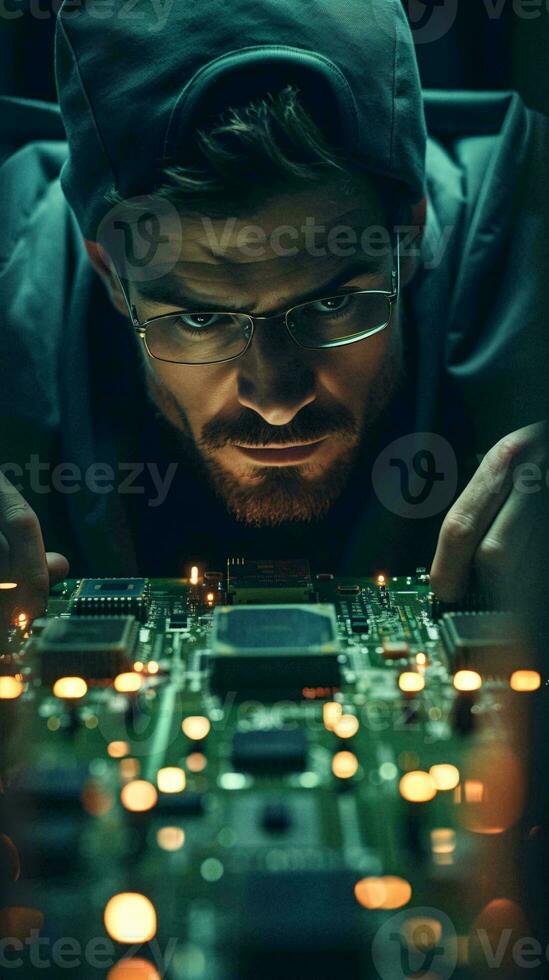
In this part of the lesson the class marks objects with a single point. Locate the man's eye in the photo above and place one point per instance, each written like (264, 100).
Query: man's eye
(334, 304)
(199, 321)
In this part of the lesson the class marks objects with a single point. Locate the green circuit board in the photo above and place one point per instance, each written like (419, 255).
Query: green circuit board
(279, 766)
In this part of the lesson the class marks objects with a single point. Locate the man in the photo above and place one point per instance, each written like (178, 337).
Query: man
(338, 323)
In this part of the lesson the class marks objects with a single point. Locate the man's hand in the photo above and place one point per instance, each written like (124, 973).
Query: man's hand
(23, 558)
(488, 529)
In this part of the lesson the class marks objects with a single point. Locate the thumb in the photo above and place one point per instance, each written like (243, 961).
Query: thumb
(58, 567)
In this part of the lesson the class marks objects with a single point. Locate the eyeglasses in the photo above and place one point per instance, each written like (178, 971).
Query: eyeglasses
(209, 338)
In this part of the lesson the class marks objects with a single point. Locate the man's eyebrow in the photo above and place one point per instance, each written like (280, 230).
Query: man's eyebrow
(171, 291)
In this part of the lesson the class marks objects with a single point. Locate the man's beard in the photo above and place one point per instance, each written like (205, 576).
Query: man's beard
(282, 495)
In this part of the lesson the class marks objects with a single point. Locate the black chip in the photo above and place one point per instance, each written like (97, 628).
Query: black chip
(93, 647)
(267, 751)
(483, 640)
(359, 625)
(178, 621)
(186, 804)
(108, 596)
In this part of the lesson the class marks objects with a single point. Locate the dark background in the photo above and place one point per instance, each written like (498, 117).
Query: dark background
(478, 52)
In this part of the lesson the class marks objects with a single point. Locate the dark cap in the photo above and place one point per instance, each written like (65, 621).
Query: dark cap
(135, 82)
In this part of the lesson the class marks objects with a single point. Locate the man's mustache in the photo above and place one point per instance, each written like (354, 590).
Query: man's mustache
(310, 424)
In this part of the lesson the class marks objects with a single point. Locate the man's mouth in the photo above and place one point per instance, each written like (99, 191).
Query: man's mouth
(277, 455)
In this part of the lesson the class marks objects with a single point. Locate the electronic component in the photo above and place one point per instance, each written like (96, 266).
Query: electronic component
(112, 596)
(178, 621)
(96, 648)
(258, 581)
(274, 650)
(485, 640)
(395, 649)
(269, 751)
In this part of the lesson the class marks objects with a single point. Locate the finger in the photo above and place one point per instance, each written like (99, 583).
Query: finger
(504, 547)
(19, 525)
(469, 518)
(58, 567)
(4, 559)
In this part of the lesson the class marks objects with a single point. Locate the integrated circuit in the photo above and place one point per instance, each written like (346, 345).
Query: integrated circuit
(488, 641)
(96, 648)
(270, 750)
(108, 596)
(268, 581)
(274, 650)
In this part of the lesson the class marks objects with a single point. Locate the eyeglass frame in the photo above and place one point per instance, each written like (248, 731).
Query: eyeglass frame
(392, 296)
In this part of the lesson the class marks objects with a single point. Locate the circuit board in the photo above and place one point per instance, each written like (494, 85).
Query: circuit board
(258, 773)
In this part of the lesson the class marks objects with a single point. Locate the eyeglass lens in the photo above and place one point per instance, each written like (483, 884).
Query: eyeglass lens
(199, 338)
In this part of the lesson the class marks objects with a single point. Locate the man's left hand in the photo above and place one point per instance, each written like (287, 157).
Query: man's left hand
(487, 531)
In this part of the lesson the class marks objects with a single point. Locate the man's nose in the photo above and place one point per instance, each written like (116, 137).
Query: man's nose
(275, 378)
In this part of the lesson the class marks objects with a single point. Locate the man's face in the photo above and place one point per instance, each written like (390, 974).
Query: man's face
(278, 429)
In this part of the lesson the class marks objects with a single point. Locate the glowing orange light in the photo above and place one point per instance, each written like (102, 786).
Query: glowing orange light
(96, 800)
(138, 666)
(443, 840)
(421, 660)
(210, 597)
(344, 765)
(138, 796)
(346, 727)
(171, 779)
(130, 918)
(152, 667)
(20, 921)
(410, 682)
(473, 791)
(8, 585)
(331, 713)
(445, 776)
(133, 968)
(70, 688)
(129, 769)
(22, 621)
(194, 575)
(196, 727)
(388, 892)
(196, 761)
(417, 786)
(421, 932)
(170, 838)
(467, 680)
(525, 680)
(127, 683)
(381, 580)
(11, 688)
(117, 749)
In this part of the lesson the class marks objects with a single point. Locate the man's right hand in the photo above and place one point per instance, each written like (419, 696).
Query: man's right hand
(23, 558)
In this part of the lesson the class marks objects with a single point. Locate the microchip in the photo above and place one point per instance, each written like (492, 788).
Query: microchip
(267, 581)
(483, 640)
(270, 751)
(96, 648)
(395, 649)
(108, 596)
(274, 650)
